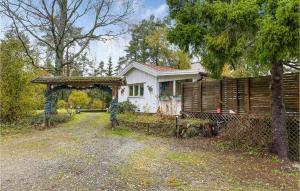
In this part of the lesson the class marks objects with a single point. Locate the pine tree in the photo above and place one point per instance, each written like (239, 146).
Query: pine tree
(100, 71)
(109, 70)
(121, 62)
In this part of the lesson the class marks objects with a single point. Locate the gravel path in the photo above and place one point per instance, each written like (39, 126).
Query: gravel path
(83, 155)
(75, 156)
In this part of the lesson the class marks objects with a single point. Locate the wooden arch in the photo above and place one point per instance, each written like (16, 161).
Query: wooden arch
(57, 83)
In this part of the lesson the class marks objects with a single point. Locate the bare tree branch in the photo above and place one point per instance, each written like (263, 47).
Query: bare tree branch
(56, 24)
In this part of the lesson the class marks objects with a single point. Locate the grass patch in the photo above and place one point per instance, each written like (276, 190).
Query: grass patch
(173, 181)
(183, 157)
(20, 127)
(145, 118)
(139, 168)
(34, 122)
(122, 132)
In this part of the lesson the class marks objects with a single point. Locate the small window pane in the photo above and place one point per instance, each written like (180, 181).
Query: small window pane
(130, 90)
(166, 88)
(136, 90)
(142, 90)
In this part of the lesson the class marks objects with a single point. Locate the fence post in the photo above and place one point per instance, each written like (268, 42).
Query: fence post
(201, 96)
(177, 127)
(221, 96)
(182, 96)
(249, 99)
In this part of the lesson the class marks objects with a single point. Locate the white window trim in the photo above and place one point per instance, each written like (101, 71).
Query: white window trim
(139, 90)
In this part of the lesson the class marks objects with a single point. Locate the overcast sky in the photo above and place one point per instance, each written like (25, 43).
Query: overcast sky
(115, 48)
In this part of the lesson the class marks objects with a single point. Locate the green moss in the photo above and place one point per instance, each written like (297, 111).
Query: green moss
(69, 79)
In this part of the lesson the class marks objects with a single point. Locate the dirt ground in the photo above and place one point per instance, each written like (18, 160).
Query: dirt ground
(84, 155)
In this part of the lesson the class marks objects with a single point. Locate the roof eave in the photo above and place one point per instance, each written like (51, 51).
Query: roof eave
(181, 72)
(139, 67)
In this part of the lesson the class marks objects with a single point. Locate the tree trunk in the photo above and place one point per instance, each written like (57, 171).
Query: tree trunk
(59, 60)
(279, 118)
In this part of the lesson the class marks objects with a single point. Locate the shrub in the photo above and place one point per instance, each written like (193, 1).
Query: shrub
(15, 87)
(62, 104)
(97, 104)
(126, 106)
(79, 98)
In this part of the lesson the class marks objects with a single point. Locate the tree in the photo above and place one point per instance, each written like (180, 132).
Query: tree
(79, 98)
(100, 94)
(100, 71)
(163, 52)
(18, 96)
(149, 44)
(259, 32)
(138, 51)
(82, 65)
(56, 25)
(109, 70)
(121, 62)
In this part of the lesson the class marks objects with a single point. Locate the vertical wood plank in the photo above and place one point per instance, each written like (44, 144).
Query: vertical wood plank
(237, 96)
(221, 98)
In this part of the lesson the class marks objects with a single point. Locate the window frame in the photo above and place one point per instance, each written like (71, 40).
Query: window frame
(134, 86)
(164, 90)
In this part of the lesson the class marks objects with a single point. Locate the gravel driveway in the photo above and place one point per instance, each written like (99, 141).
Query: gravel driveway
(84, 155)
(74, 156)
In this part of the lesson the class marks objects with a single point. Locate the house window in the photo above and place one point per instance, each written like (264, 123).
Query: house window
(179, 86)
(130, 90)
(166, 89)
(141, 89)
(136, 90)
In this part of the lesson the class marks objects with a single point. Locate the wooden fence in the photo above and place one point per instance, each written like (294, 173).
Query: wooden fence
(249, 99)
(242, 95)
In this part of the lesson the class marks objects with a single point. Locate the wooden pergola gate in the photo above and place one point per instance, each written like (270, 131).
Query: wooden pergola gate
(57, 83)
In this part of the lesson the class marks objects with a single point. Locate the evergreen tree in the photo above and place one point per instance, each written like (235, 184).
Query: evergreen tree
(99, 71)
(149, 44)
(252, 32)
(138, 49)
(109, 70)
(120, 64)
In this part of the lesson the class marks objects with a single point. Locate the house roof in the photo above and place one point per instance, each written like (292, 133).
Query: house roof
(159, 70)
(79, 80)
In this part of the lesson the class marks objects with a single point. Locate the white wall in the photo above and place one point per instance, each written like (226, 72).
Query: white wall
(170, 107)
(173, 105)
(149, 102)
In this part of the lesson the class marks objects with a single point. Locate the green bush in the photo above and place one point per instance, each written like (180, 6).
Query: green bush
(62, 104)
(97, 104)
(126, 106)
(79, 98)
(18, 96)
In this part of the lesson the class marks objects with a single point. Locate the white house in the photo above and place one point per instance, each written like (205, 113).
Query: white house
(151, 87)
